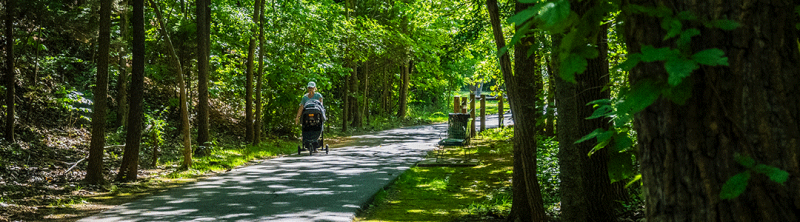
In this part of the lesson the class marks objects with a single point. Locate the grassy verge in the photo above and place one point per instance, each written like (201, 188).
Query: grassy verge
(226, 158)
(71, 201)
(450, 193)
(479, 193)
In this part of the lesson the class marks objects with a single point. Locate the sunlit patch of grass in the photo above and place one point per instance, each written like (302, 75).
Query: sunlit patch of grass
(226, 158)
(444, 193)
(436, 184)
(497, 203)
(68, 202)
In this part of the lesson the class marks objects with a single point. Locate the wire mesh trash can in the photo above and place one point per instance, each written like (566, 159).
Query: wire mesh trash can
(457, 135)
(457, 126)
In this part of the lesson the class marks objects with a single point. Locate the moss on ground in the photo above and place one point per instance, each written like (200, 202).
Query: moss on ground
(480, 193)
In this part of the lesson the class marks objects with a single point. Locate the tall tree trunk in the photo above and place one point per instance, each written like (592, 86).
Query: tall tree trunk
(749, 108)
(130, 159)
(10, 72)
(365, 106)
(249, 91)
(569, 157)
(346, 105)
(587, 190)
(176, 64)
(249, 125)
(260, 74)
(551, 102)
(539, 86)
(94, 170)
(354, 102)
(385, 92)
(527, 200)
(122, 78)
(203, 43)
(405, 74)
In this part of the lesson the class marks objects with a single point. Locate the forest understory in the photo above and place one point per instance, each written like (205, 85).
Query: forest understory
(41, 175)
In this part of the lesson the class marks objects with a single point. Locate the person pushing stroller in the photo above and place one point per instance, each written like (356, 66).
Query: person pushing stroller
(311, 95)
(311, 117)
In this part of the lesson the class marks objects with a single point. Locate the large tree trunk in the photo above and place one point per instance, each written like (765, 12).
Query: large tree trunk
(122, 78)
(346, 104)
(550, 128)
(176, 64)
(587, 192)
(354, 103)
(94, 170)
(365, 81)
(248, 137)
(527, 200)
(405, 74)
(130, 159)
(260, 74)
(203, 43)
(385, 92)
(569, 157)
(249, 125)
(10, 73)
(750, 108)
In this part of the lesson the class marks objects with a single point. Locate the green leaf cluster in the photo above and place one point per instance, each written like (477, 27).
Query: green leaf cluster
(737, 184)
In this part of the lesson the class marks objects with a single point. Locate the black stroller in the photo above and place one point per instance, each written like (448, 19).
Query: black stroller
(312, 124)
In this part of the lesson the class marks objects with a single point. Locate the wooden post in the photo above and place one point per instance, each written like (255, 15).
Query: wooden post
(456, 104)
(472, 132)
(500, 110)
(483, 113)
(464, 104)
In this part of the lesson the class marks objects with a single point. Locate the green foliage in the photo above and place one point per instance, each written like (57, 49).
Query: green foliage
(737, 184)
(679, 62)
(549, 174)
(68, 202)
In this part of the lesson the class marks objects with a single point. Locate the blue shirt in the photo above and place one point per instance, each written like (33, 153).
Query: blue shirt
(305, 98)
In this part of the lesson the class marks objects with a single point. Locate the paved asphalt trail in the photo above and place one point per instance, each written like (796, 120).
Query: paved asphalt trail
(321, 187)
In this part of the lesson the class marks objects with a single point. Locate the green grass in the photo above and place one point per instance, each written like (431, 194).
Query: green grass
(229, 157)
(448, 193)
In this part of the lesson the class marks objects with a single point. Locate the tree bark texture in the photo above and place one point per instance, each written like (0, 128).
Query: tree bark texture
(10, 72)
(249, 106)
(569, 157)
(248, 137)
(354, 102)
(94, 170)
(365, 106)
(184, 109)
(260, 75)
(597, 189)
(527, 200)
(750, 108)
(404, 78)
(122, 78)
(587, 192)
(130, 159)
(203, 43)
(346, 104)
(550, 127)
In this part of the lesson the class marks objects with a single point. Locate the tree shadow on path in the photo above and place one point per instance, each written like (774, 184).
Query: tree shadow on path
(321, 187)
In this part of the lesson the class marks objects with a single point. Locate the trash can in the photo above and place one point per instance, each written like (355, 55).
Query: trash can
(457, 126)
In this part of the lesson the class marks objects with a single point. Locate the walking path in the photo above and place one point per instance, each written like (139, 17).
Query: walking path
(330, 187)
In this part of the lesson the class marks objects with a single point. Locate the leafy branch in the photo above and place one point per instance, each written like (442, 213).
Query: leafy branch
(737, 184)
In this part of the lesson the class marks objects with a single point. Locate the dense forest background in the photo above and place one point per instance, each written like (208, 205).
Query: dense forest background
(686, 108)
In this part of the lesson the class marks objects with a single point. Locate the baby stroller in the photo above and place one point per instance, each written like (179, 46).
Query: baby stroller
(312, 124)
